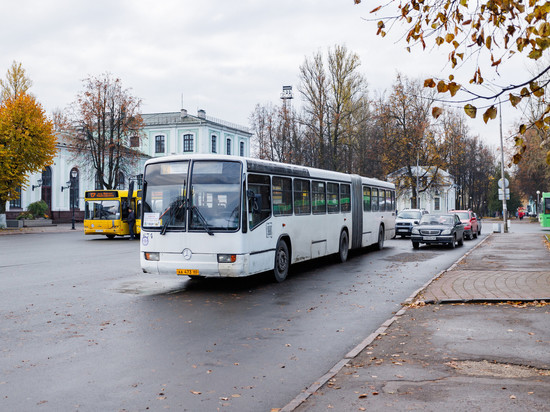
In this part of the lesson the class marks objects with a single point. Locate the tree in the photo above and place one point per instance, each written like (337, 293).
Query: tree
(332, 97)
(16, 82)
(481, 34)
(409, 138)
(27, 143)
(105, 127)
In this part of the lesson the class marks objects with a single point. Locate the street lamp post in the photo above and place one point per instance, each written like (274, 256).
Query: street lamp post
(538, 193)
(71, 186)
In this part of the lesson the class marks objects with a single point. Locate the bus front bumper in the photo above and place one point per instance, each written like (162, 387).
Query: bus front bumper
(200, 265)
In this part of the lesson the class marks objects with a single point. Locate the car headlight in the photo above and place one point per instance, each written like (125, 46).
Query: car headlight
(415, 231)
(446, 232)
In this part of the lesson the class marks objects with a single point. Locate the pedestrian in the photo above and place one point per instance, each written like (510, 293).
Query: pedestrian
(131, 222)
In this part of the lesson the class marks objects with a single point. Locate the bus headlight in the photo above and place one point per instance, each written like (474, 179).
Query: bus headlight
(227, 258)
(152, 256)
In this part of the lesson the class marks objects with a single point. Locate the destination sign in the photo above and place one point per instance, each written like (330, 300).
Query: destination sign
(102, 194)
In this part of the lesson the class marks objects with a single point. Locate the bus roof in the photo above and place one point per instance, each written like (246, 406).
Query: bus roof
(267, 166)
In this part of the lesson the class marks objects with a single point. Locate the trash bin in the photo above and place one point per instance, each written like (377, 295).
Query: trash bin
(496, 227)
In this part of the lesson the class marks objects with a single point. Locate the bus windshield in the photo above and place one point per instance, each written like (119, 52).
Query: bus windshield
(213, 204)
(216, 195)
(102, 210)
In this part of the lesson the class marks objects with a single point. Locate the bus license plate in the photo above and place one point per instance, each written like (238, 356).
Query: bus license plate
(188, 272)
(429, 237)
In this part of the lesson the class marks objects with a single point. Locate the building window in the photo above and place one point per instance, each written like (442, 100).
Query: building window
(228, 146)
(437, 203)
(187, 142)
(241, 149)
(214, 143)
(119, 183)
(134, 141)
(16, 203)
(159, 144)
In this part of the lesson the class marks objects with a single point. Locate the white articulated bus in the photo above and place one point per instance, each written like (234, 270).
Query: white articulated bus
(227, 216)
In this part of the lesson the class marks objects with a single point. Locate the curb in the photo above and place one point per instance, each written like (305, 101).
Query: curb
(310, 390)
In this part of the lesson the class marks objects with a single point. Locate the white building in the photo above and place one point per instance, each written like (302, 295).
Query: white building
(437, 190)
(164, 134)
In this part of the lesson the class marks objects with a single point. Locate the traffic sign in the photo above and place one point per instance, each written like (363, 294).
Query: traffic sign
(506, 183)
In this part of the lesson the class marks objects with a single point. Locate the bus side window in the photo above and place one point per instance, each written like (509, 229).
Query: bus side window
(366, 199)
(332, 198)
(259, 199)
(345, 198)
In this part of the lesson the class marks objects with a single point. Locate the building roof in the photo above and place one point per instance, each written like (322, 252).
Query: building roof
(184, 118)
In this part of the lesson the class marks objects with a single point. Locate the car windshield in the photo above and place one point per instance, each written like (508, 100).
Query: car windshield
(409, 214)
(433, 220)
(463, 215)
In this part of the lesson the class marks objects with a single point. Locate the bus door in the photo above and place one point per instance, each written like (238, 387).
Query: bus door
(259, 223)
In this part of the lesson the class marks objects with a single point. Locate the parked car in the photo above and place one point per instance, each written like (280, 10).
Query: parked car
(445, 228)
(471, 225)
(406, 219)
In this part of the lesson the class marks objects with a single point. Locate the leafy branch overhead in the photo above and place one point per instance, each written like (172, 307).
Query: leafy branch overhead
(482, 34)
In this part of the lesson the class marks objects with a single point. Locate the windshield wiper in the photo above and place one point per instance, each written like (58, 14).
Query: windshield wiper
(172, 210)
(202, 220)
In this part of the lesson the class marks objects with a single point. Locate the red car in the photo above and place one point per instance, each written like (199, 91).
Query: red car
(472, 227)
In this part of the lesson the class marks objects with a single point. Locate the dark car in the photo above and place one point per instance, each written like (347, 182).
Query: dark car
(471, 225)
(443, 229)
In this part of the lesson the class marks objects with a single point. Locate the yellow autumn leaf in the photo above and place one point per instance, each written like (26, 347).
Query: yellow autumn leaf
(514, 100)
(429, 83)
(436, 112)
(470, 110)
(490, 113)
(442, 87)
(454, 88)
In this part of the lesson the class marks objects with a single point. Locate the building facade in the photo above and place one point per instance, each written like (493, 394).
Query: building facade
(163, 134)
(437, 189)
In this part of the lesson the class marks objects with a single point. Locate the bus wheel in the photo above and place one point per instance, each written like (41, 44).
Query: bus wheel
(110, 236)
(282, 261)
(380, 244)
(343, 248)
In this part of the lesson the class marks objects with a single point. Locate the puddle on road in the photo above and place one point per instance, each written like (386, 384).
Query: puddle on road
(500, 370)
(411, 257)
(150, 287)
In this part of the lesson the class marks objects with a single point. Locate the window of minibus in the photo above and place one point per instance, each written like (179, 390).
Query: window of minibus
(215, 200)
(375, 200)
(366, 199)
(332, 198)
(319, 201)
(259, 205)
(282, 196)
(382, 200)
(388, 201)
(164, 203)
(302, 198)
(345, 198)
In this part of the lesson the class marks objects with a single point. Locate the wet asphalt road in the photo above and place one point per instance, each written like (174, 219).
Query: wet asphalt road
(82, 329)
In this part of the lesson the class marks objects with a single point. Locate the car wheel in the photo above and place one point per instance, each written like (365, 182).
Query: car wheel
(416, 245)
(452, 245)
(343, 247)
(474, 234)
(461, 241)
(110, 236)
(282, 261)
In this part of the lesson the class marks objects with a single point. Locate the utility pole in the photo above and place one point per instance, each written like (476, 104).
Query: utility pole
(504, 209)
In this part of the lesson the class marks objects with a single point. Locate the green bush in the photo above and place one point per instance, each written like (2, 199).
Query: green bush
(38, 209)
(25, 215)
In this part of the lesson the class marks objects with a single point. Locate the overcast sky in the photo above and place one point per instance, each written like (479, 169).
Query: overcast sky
(221, 56)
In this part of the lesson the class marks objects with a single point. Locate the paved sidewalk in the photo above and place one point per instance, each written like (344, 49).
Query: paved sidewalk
(453, 355)
(57, 228)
